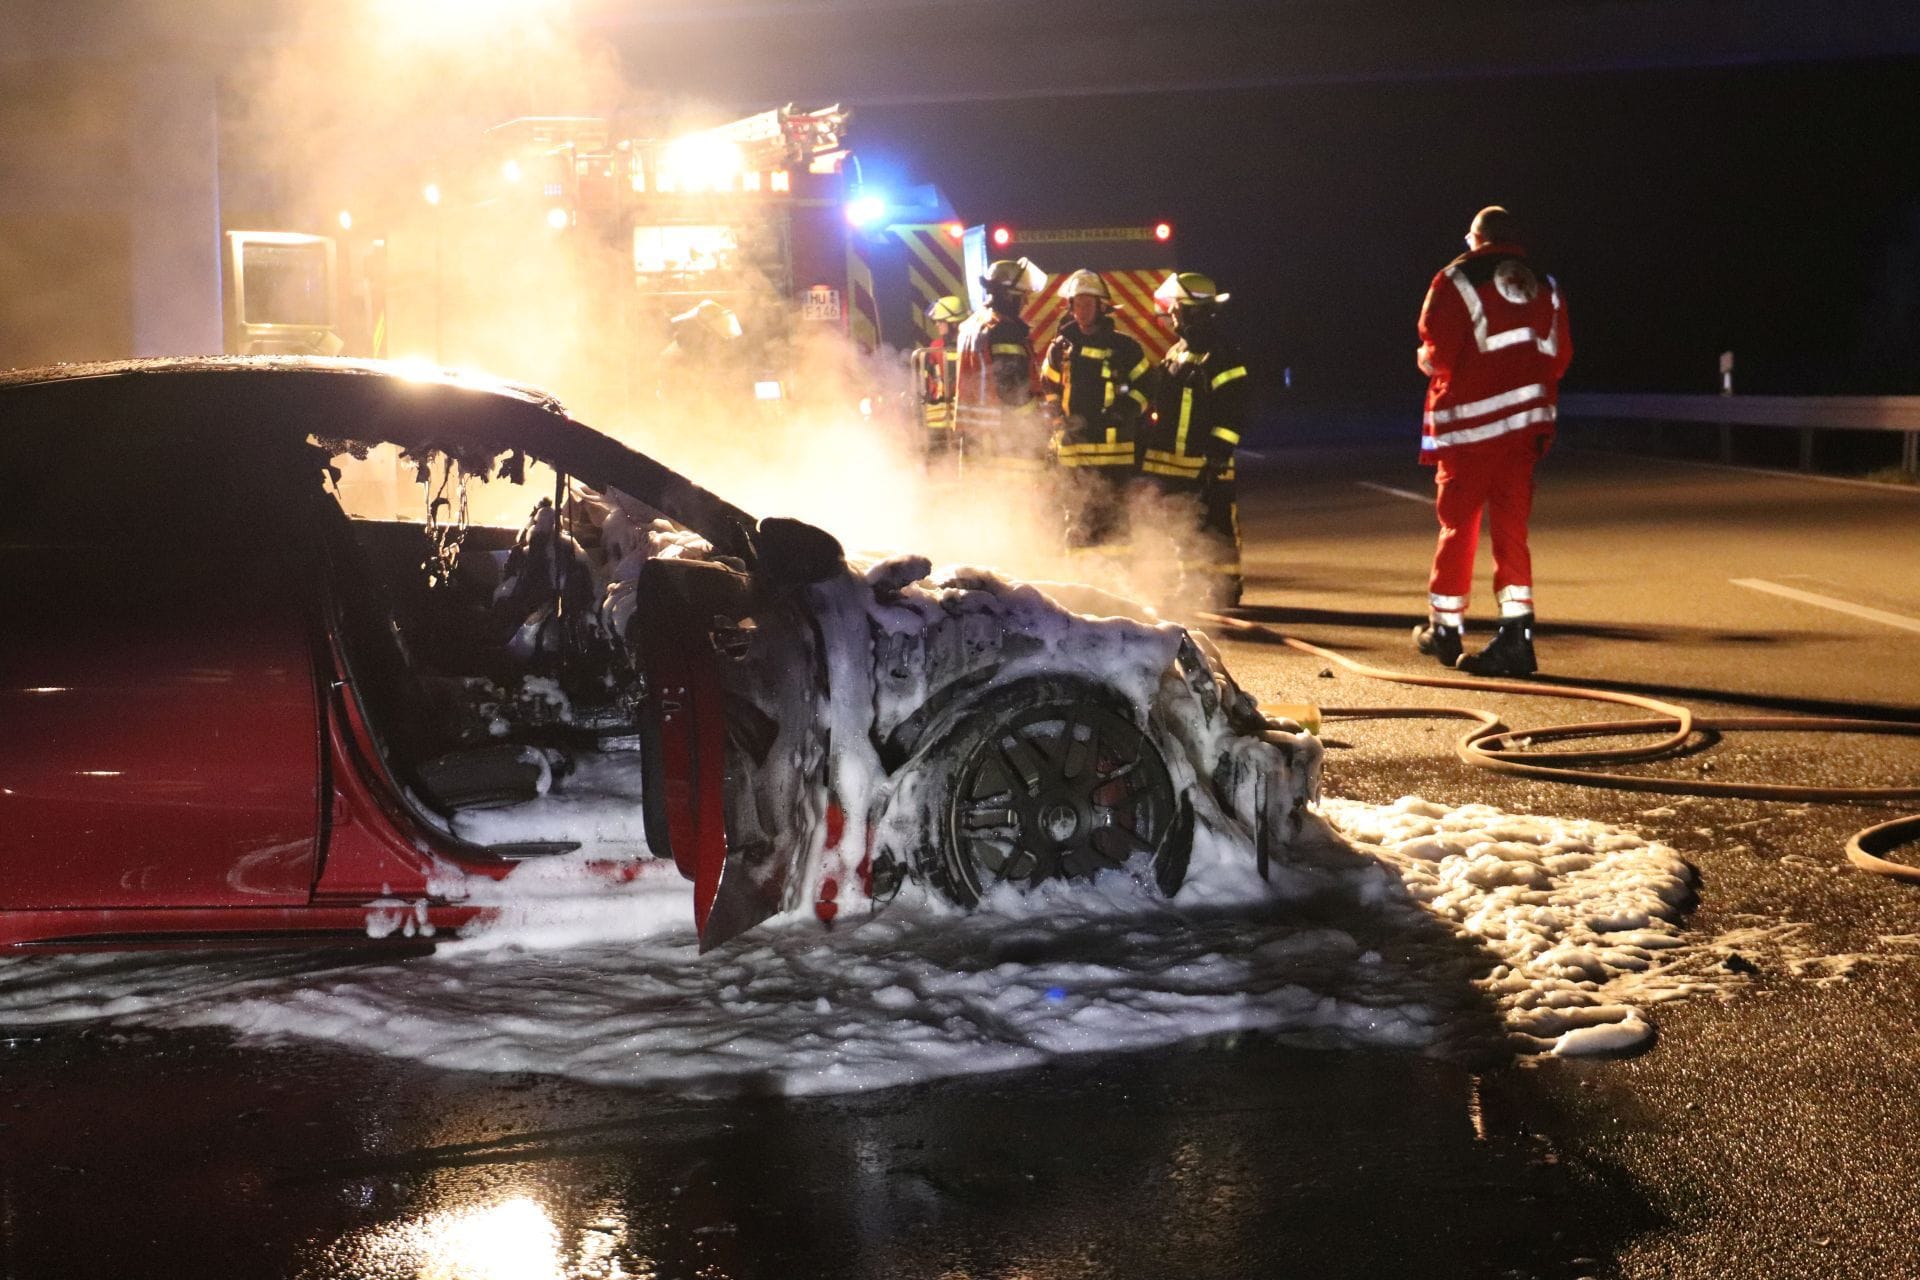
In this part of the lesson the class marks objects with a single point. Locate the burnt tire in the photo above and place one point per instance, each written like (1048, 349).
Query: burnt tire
(1041, 784)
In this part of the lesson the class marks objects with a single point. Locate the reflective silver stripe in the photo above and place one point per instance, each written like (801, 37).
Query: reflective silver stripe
(1515, 594)
(1451, 604)
(1507, 337)
(1505, 400)
(1488, 430)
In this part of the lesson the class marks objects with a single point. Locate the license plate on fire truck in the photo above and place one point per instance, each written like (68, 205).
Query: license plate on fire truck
(822, 303)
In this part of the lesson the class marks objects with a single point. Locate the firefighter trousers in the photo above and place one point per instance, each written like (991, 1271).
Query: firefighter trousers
(1497, 479)
(1212, 551)
(1095, 499)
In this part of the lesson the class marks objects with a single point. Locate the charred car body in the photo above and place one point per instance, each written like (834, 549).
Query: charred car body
(234, 712)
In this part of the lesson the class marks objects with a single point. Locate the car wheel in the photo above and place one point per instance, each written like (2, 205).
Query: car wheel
(1053, 788)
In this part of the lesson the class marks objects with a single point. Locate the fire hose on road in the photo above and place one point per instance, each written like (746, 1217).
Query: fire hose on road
(1491, 745)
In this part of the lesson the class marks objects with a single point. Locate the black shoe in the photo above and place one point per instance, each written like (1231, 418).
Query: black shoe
(1510, 654)
(1439, 641)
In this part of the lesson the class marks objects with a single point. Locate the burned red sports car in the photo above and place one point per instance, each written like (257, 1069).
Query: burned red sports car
(233, 709)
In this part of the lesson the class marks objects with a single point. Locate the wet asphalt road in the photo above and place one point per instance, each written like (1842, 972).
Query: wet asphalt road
(1769, 1132)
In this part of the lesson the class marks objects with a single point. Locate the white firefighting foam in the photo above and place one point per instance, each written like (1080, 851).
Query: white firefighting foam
(1408, 926)
(1436, 930)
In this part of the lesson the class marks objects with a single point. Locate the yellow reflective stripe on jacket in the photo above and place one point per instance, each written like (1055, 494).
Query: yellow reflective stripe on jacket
(1231, 437)
(1186, 420)
(1160, 462)
(1050, 373)
(1008, 349)
(1146, 362)
(1095, 353)
(1228, 375)
(1139, 396)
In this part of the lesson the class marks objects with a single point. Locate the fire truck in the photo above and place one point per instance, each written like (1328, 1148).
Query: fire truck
(558, 248)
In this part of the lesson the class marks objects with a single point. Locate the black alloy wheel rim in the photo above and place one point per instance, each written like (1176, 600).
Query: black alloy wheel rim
(1057, 792)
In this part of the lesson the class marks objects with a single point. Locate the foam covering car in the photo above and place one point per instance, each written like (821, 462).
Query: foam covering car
(235, 707)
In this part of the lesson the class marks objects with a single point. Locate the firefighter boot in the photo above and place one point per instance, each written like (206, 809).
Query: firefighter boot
(1438, 640)
(1510, 654)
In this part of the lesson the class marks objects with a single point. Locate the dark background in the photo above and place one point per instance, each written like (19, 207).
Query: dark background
(1773, 210)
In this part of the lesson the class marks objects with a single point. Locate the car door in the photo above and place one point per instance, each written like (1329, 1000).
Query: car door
(159, 730)
(736, 747)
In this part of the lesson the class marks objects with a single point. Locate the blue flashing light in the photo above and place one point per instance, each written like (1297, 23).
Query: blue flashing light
(865, 211)
(1056, 994)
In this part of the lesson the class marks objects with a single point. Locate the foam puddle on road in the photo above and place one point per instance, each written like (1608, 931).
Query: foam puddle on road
(1409, 926)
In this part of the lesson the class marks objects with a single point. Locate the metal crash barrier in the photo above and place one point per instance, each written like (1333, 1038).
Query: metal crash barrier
(1802, 414)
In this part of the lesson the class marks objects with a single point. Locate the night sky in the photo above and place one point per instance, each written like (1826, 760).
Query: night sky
(1773, 210)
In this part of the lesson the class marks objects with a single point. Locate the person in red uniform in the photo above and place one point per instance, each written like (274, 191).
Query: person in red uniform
(1494, 344)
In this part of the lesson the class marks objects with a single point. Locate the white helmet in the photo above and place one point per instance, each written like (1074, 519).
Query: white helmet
(1187, 289)
(1084, 283)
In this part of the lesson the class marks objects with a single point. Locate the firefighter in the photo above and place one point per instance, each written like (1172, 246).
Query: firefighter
(1199, 400)
(1090, 379)
(936, 370)
(700, 366)
(993, 395)
(1494, 344)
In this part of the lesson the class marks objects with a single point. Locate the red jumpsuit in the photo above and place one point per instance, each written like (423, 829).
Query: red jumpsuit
(1494, 341)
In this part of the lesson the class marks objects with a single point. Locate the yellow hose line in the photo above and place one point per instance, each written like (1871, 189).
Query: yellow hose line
(1487, 744)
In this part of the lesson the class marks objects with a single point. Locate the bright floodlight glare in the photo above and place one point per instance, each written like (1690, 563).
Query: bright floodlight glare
(1163, 231)
(766, 391)
(431, 192)
(558, 218)
(866, 210)
(346, 220)
(702, 163)
(510, 171)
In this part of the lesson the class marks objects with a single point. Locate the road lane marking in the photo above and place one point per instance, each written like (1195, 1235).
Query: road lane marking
(1828, 602)
(1398, 493)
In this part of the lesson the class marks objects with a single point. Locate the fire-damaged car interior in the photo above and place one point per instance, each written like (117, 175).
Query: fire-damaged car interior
(278, 661)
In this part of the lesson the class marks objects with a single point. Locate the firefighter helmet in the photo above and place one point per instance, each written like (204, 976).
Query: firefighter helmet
(1016, 275)
(1187, 289)
(949, 308)
(1084, 283)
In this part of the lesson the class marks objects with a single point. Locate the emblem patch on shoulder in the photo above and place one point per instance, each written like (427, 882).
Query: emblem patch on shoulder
(1515, 281)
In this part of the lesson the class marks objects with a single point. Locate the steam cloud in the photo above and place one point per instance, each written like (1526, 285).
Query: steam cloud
(376, 98)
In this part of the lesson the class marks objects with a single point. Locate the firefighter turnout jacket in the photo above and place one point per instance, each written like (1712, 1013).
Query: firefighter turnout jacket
(936, 367)
(1494, 343)
(1200, 405)
(995, 377)
(1096, 376)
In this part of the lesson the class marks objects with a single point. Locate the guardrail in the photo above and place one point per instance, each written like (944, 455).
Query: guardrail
(1805, 414)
